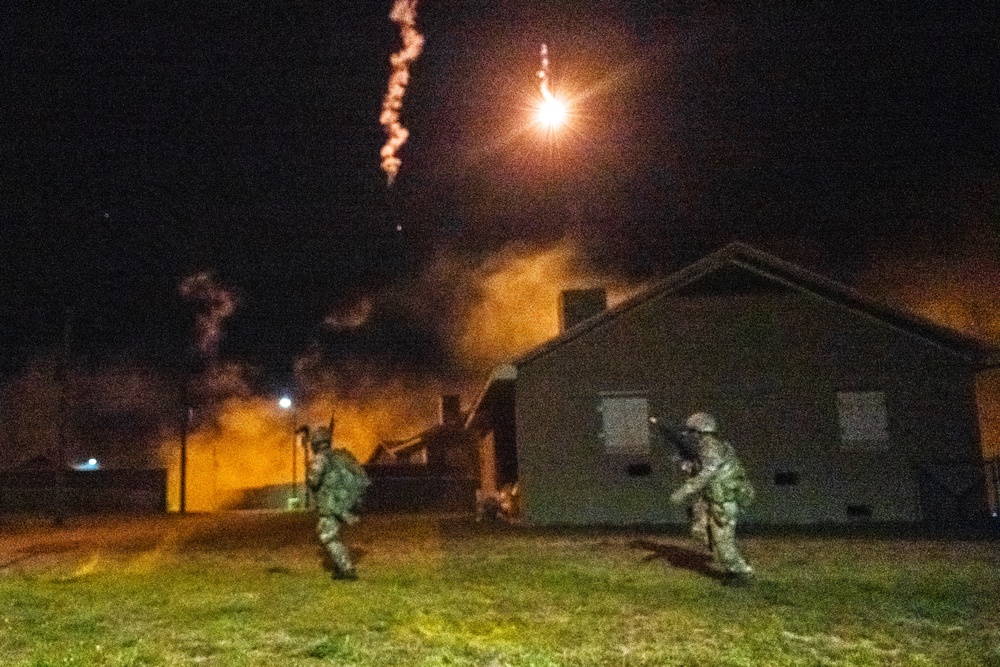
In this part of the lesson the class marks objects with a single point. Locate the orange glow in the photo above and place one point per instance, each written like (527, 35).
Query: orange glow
(517, 304)
(963, 297)
(247, 445)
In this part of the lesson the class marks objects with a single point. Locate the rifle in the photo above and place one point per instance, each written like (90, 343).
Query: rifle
(684, 451)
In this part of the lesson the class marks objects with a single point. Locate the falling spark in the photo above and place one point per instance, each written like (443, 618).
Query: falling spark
(403, 14)
(552, 111)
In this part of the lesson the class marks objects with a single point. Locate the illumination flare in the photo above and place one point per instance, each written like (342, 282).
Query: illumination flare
(403, 14)
(552, 111)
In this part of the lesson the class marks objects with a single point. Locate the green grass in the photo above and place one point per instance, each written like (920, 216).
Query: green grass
(248, 589)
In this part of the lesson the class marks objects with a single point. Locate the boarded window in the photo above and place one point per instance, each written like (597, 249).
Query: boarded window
(625, 423)
(864, 422)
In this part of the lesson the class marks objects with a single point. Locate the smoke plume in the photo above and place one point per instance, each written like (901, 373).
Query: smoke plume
(515, 303)
(403, 14)
(215, 305)
(487, 311)
(241, 447)
(116, 414)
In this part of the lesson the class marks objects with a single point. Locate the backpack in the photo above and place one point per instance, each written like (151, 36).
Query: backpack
(351, 479)
(732, 483)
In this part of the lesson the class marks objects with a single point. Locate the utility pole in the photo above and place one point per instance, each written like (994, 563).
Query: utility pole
(185, 425)
(63, 379)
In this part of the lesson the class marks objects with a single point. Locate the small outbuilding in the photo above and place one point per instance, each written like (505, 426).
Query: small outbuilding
(842, 409)
(433, 471)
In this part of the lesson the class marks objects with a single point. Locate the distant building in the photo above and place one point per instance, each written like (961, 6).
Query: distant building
(443, 449)
(39, 486)
(843, 410)
(433, 470)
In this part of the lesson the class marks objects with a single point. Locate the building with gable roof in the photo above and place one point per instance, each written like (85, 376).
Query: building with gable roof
(842, 409)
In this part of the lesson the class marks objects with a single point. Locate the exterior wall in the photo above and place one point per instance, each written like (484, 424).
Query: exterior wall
(769, 365)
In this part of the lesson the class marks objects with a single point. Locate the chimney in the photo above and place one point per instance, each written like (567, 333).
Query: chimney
(451, 410)
(577, 305)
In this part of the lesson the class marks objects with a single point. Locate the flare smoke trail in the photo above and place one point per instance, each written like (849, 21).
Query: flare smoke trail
(543, 75)
(403, 14)
(216, 304)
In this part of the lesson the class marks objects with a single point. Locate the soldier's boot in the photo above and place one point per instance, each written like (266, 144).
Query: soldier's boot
(737, 571)
(343, 568)
(729, 556)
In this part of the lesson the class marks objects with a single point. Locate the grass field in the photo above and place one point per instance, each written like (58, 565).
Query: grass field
(248, 589)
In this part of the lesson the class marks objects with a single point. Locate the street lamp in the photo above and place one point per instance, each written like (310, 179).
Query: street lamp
(285, 403)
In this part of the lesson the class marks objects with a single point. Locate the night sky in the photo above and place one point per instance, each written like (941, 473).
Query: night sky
(147, 142)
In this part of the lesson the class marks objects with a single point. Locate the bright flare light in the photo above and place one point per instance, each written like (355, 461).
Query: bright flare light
(285, 402)
(552, 113)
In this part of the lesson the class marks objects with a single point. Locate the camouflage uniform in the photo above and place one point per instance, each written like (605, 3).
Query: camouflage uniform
(698, 510)
(723, 485)
(686, 456)
(336, 480)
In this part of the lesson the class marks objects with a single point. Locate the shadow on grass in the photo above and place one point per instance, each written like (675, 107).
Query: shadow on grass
(680, 557)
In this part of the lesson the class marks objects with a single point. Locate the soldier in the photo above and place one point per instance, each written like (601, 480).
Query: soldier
(337, 481)
(723, 485)
(685, 456)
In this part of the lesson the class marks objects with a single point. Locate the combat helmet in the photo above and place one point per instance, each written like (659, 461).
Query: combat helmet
(701, 422)
(320, 437)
